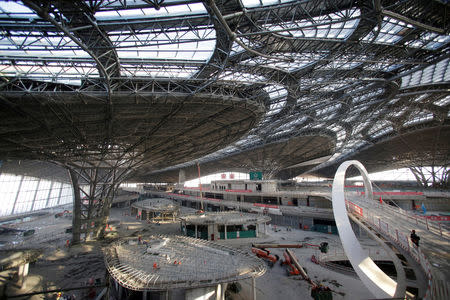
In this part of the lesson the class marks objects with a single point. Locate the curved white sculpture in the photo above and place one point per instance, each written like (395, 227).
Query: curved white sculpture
(378, 283)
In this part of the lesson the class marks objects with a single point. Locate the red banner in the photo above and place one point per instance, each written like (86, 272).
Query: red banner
(239, 191)
(438, 218)
(265, 205)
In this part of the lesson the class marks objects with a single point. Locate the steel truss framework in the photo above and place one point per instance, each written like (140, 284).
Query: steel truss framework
(130, 88)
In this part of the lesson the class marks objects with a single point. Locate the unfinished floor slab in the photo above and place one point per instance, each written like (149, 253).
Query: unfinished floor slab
(178, 265)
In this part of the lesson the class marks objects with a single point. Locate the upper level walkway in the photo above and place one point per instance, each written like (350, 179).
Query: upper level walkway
(433, 253)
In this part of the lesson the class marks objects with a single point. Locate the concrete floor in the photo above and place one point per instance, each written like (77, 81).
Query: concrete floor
(64, 267)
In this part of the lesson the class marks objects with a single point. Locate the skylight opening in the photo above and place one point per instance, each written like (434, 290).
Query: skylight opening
(443, 102)
(438, 72)
(429, 41)
(299, 61)
(38, 44)
(338, 25)
(157, 71)
(366, 96)
(183, 44)
(383, 67)
(261, 3)
(418, 118)
(16, 10)
(244, 78)
(276, 92)
(391, 31)
(50, 71)
(133, 12)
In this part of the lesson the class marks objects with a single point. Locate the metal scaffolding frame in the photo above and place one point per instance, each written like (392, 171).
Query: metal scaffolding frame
(161, 263)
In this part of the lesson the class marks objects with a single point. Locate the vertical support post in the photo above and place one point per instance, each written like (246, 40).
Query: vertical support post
(60, 192)
(426, 221)
(196, 231)
(253, 288)
(76, 223)
(49, 194)
(35, 194)
(218, 292)
(17, 195)
(200, 186)
(225, 231)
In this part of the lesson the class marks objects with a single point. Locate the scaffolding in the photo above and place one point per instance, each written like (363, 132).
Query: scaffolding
(162, 262)
(156, 210)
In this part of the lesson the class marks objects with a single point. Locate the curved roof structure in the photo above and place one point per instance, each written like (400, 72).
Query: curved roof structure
(276, 160)
(418, 148)
(171, 262)
(162, 85)
(156, 205)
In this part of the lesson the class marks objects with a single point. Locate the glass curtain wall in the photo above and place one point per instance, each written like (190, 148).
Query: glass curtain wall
(21, 194)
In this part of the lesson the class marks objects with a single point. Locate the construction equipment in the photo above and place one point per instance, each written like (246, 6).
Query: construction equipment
(291, 270)
(295, 262)
(265, 254)
(323, 247)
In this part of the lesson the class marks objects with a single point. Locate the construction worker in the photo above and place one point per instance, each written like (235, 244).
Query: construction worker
(415, 238)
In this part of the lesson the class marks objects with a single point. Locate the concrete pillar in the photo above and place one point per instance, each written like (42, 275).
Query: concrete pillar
(195, 230)
(219, 292)
(257, 230)
(22, 274)
(206, 293)
(225, 232)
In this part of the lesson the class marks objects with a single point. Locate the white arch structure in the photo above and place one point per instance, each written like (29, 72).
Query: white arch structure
(378, 283)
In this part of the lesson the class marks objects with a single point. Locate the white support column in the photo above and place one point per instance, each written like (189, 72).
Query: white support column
(219, 292)
(22, 274)
(225, 232)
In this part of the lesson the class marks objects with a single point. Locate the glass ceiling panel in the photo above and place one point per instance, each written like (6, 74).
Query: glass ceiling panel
(419, 117)
(157, 71)
(338, 25)
(300, 60)
(443, 102)
(391, 31)
(429, 41)
(38, 44)
(258, 3)
(16, 10)
(136, 10)
(70, 73)
(245, 78)
(180, 44)
(438, 72)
